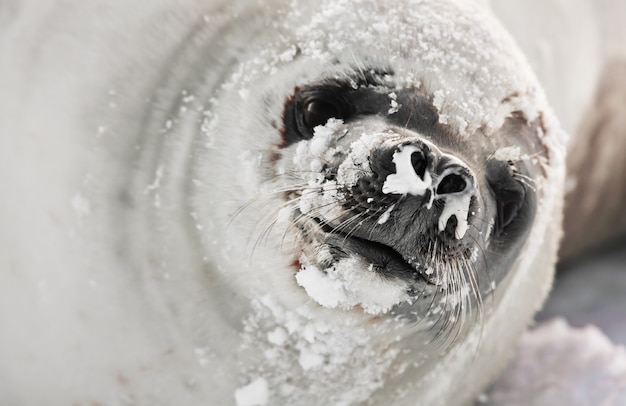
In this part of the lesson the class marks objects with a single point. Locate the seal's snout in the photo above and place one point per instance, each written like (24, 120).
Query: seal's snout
(420, 170)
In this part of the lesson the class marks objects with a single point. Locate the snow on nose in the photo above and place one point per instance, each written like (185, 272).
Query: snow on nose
(454, 185)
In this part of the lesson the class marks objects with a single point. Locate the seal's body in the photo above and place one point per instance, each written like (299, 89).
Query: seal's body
(270, 203)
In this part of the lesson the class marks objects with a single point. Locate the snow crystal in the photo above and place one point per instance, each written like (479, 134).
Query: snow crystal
(393, 102)
(385, 216)
(320, 287)
(288, 55)
(310, 359)
(457, 206)
(158, 176)
(309, 155)
(357, 160)
(508, 154)
(284, 215)
(278, 336)
(255, 393)
(323, 134)
(438, 97)
(405, 180)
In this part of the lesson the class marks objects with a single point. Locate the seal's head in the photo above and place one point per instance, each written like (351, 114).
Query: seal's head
(395, 177)
(407, 155)
(392, 205)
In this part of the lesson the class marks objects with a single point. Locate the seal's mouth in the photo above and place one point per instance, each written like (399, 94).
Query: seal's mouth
(384, 259)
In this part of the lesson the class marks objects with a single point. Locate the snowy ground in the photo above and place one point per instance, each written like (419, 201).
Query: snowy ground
(575, 354)
(593, 291)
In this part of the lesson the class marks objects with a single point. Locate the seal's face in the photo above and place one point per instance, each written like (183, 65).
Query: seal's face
(392, 207)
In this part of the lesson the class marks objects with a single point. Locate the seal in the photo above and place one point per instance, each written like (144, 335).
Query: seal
(399, 206)
(272, 202)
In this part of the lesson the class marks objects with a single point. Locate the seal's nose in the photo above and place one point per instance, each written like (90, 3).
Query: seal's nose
(423, 171)
(407, 169)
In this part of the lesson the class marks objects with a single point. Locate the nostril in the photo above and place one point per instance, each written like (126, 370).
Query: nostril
(453, 183)
(419, 162)
(450, 230)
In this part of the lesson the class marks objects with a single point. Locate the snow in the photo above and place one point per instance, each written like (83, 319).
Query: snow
(506, 154)
(308, 159)
(335, 356)
(324, 290)
(278, 336)
(158, 176)
(558, 364)
(405, 180)
(393, 103)
(254, 394)
(458, 207)
(357, 160)
(310, 359)
(385, 216)
(288, 55)
(348, 283)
